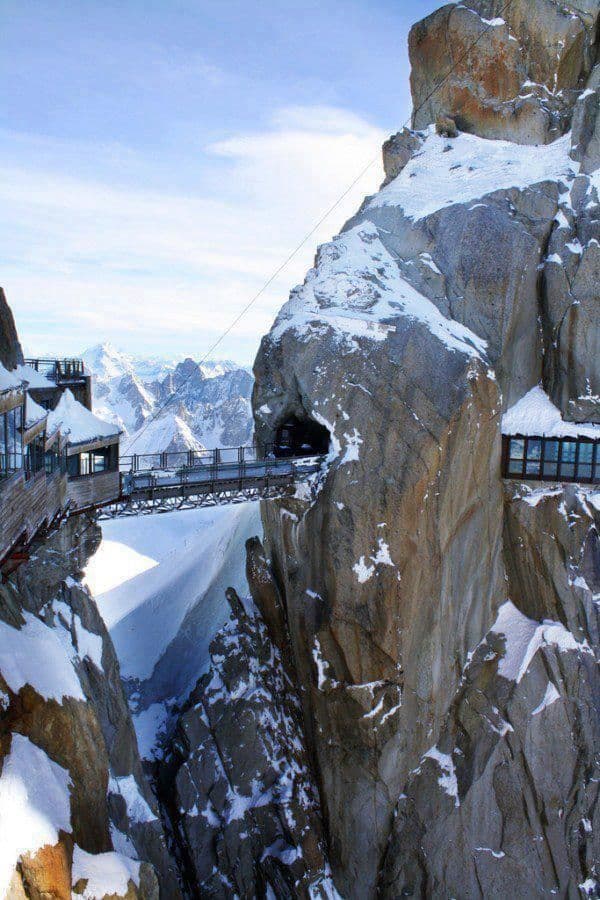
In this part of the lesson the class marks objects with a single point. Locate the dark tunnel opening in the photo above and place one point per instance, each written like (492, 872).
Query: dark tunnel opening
(301, 437)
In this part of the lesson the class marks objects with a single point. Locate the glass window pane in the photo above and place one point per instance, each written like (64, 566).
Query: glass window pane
(73, 465)
(84, 463)
(3, 447)
(586, 452)
(584, 470)
(551, 450)
(515, 466)
(550, 469)
(532, 467)
(567, 470)
(517, 449)
(569, 449)
(534, 448)
(99, 462)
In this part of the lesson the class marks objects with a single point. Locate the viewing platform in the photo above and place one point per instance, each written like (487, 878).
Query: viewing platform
(59, 374)
(163, 482)
(539, 445)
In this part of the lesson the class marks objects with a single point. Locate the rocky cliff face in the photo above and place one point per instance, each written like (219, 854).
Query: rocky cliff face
(236, 778)
(444, 627)
(11, 354)
(509, 70)
(77, 813)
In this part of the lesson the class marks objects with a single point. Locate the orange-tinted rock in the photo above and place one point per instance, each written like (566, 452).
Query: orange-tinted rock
(515, 79)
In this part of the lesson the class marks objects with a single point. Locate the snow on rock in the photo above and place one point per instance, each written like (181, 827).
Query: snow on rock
(150, 727)
(475, 167)
(34, 804)
(240, 774)
(35, 654)
(550, 697)
(138, 809)
(364, 570)
(447, 778)
(167, 433)
(356, 289)
(524, 637)
(536, 415)
(77, 422)
(98, 875)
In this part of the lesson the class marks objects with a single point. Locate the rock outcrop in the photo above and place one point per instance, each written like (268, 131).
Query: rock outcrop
(11, 354)
(509, 71)
(439, 626)
(84, 814)
(516, 766)
(236, 779)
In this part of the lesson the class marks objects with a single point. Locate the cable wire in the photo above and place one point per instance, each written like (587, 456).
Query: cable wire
(315, 228)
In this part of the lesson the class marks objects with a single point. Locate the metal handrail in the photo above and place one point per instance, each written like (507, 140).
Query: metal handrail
(214, 471)
(58, 368)
(190, 459)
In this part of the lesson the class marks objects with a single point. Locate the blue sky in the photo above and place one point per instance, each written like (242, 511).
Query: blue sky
(161, 158)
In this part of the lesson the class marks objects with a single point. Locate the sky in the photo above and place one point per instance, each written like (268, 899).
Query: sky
(160, 159)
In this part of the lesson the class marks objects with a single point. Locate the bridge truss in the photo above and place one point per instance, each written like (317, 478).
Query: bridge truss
(147, 493)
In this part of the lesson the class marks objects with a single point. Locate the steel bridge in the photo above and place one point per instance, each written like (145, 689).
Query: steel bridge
(165, 482)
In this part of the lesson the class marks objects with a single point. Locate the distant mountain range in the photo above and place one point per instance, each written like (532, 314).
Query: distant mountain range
(171, 403)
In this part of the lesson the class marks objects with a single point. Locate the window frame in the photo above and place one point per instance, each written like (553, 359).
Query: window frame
(566, 465)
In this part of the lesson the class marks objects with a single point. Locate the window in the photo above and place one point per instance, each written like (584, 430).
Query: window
(516, 456)
(35, 455)
(11, 441)
(51, 460)
(534, 456)
(94, 462)
(585, 461)
(567, 459)
(552, 459)
(550, 467)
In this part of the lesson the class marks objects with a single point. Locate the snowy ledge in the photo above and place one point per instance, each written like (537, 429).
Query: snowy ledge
(536, 416)
(470, 169)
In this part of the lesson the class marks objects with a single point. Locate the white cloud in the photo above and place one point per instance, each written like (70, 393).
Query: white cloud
(88, 259)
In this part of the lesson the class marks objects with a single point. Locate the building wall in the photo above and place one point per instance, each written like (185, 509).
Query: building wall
(27, 504)
(91, 490)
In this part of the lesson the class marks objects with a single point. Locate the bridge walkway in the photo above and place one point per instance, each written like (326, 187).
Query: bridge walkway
(186, 481)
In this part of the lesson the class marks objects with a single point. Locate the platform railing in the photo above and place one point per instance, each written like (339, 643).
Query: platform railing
(195, 459)
(58, 369)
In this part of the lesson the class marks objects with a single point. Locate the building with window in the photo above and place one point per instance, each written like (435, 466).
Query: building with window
(92, 453)
(29, 500)
(539, 445)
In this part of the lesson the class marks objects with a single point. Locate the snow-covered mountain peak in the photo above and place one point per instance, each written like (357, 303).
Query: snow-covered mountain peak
(169, 403)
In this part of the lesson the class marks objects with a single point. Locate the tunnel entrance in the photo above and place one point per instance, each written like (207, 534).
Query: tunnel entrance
(301, 437)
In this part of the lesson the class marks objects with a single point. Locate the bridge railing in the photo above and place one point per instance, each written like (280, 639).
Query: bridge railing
(58, 369)
(193, 459)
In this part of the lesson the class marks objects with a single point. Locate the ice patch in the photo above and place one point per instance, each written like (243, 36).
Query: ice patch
(365, 571)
